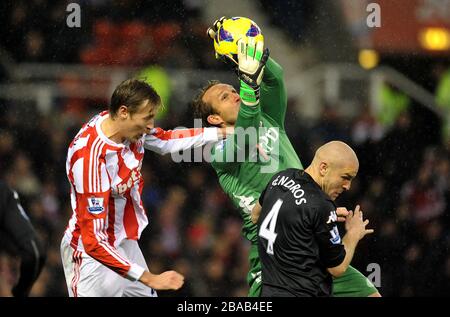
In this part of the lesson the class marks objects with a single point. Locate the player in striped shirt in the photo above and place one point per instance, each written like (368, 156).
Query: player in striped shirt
(99, 250)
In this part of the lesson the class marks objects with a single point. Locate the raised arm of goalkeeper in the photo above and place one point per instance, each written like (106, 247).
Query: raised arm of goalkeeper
(273, 93)
(273, 96)
(252, 58)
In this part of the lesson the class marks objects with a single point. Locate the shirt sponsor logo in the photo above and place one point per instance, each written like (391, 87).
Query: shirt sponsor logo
(129, 182)
(95, 205)
(268, 140)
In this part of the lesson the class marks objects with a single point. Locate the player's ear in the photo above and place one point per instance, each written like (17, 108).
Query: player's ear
(323, 168)
(214, 119)
(122, 112)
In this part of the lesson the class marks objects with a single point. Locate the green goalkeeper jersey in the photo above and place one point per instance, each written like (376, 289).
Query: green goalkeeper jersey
(245, 164)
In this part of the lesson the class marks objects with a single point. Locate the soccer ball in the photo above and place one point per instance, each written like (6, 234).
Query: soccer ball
(233, 29)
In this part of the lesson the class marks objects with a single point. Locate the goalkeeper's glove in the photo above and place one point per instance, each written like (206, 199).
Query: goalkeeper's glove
(212, 30)
(212, 33)
(252, 59)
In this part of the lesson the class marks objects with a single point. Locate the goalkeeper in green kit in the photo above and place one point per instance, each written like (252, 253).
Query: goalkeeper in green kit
(259, 148)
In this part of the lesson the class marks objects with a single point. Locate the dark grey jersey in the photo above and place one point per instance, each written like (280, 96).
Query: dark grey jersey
(297, 236)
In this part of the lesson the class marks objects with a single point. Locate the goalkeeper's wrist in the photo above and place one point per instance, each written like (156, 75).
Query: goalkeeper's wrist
(249, 95)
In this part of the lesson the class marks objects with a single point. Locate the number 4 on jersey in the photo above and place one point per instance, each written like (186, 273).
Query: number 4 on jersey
(267, 230)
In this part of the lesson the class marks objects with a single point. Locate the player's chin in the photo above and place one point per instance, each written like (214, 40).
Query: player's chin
(338, 194)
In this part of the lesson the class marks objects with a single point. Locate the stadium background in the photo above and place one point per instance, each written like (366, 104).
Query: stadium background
(390, 102)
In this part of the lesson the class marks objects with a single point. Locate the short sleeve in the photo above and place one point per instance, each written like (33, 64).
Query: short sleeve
(331, 249)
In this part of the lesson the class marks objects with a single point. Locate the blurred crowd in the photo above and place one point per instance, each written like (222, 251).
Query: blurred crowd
(167, 33)
(403, 183)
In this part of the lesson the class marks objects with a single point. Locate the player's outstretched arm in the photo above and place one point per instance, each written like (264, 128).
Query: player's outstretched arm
(169, 280)
(172, 141)
(273, 93)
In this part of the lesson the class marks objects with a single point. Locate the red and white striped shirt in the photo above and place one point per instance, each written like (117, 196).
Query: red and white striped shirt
(106, 186)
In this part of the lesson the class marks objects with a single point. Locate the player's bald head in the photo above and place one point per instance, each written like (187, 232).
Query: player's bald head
(336, 154)
(334, 166)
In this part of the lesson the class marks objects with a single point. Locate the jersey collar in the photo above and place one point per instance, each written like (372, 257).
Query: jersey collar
(303, 174)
